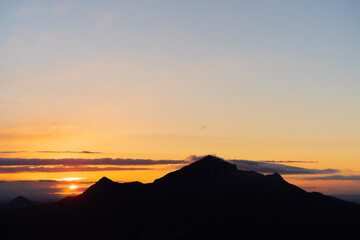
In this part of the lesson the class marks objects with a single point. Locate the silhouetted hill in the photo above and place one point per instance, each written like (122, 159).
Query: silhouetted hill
(207, 170)
(208, 199)
(20, 202)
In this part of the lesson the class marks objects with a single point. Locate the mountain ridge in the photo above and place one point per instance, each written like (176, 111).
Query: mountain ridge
(20, 202)
(211, 171)
(207, 199)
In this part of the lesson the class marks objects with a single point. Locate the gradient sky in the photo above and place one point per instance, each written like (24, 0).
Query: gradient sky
(258, 80)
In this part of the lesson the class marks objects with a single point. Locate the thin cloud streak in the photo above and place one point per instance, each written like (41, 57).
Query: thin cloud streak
(287, 161)
(85, 152)
(334, 177)
(74, 152)
(270, 166)
(46, 181)
(81, 161)
(65, 169)
(15, 165)
(8, 152)
(266, 167)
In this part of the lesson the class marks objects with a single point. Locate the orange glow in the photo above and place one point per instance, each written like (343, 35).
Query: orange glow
(70, 179)
(73, 187)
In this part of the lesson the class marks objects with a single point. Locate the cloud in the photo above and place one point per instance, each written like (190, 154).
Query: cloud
(34, 165)
(270, 167)
(193, 158)
(65, 169)
(86, 152)
(76, 152)
(334, 177)
(16, 165)
(11, 152)
(288, 161)
(85, 162)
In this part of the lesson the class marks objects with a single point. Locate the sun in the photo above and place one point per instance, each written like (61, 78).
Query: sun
(73, 187)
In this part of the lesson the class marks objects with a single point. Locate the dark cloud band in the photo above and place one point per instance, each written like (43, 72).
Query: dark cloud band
(288, 161)
(266, 167)
(76, 152)
(335, 177)
(85, 152)
(14, 165)
(85, 162)
(65, 169)
(8, 152)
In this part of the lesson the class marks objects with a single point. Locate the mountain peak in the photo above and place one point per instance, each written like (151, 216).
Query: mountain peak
(277, 175)
(104, 180)
(101, 188)
(210, 163)
(211, 158)
(20, 201)
(207, 168)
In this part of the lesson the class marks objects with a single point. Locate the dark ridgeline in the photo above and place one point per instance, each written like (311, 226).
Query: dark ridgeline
(20, 202)
(208, 199)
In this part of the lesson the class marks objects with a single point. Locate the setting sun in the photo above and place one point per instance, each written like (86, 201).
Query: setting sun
(73, 187)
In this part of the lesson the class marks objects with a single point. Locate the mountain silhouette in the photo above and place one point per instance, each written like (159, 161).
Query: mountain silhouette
(20, 202)
(216, 173)
(207, 199)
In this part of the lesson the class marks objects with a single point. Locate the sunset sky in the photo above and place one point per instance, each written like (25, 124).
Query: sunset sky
(275, 83)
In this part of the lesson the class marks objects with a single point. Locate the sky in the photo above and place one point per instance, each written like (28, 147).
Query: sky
(272, 83)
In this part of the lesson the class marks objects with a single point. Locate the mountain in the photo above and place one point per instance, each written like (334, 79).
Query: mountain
(207, 199)
(20, 202)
